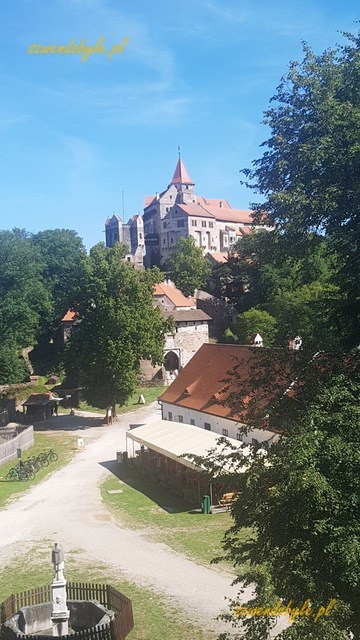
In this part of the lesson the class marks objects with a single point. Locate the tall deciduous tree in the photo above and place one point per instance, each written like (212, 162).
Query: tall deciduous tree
(187, 267)
(118, 327)
(302, 501)
(309, 174)
(23, 300)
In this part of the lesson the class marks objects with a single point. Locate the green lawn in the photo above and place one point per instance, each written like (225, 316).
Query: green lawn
(64, 445)
(155, 617)
(144, 504)
(150, 394)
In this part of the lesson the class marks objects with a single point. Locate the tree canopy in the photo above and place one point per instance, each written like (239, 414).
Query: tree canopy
(309, 172)
(23, 300)
(187, 267)
(118, 326)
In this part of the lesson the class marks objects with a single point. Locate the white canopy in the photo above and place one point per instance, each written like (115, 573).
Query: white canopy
(173, 439)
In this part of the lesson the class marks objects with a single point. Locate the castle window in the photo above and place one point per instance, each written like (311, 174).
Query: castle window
(238, 436)
(225, 432)
(170, 415)
(164, 241)
(167, 209)
(203, 223)
(192, 422)
(181, 419)
(254, 441)
(140, 236)
(171, 240)
(211, 225)
(207, 426)
(194, 223)
(170, 197)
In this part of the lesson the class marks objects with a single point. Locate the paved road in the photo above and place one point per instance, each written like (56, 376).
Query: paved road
(67, 508)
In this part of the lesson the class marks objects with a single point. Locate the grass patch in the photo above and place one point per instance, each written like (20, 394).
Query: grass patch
(63, 444)
(143, 503)
(154, 618)
(150, 394)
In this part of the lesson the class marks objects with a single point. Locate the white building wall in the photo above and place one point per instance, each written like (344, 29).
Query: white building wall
(217, 423)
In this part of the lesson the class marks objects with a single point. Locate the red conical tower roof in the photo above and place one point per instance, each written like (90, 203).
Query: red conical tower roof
(181, 176)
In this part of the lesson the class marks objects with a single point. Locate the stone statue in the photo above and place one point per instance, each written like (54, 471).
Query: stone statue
(57, 557)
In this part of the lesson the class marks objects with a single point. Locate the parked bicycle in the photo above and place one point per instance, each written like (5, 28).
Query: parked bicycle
(21, 472)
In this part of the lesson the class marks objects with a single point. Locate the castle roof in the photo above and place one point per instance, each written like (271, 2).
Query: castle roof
(181, 176)
(173, 294)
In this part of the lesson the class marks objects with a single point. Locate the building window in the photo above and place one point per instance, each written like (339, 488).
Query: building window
(164, 240)
(211, 225)
(170, 415)
(140, 236)
(181, 223)
(171, 240)
(238, 436)
(170, 197)
(254, 441)
(194, 223)
(187, 186)
(207, 426)
(203, 223)
(181, 419)
(192, 422)
(225, 432)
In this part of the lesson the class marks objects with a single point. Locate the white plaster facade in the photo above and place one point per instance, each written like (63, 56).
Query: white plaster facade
(217, 424)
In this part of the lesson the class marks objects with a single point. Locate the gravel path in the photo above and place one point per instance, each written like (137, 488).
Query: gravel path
(67, 508)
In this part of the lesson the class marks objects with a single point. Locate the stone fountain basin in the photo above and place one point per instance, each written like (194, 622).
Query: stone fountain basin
(36, 618)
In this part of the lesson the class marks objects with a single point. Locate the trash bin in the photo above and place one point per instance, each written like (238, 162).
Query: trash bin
(206, 506)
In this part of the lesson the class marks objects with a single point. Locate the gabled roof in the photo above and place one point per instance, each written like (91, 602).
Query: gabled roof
(214, 202)
(38, 399)
(114, 218)
(148, 201)
(70, 316)
(187, 315)
(173, 293)
(217, 256)
(218, 213)
(200, 385)
(181, 176)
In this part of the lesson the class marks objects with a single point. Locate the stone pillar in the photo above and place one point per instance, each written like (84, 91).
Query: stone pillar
(60, 613)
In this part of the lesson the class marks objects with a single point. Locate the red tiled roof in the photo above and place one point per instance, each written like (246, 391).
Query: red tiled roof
(230, 215)
(148, 201)
(181, 176)
(214, 202)
(216, 256)
(70, 316)
(243, 231)
(200, 385)
(187, 315)
(175, 296)
(195, 210)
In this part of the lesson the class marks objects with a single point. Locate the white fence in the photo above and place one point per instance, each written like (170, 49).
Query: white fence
(25, 440)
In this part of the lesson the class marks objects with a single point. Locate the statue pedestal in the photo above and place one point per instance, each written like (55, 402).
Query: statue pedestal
(60, 613)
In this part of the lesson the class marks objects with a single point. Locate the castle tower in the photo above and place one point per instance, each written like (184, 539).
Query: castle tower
(183, 183)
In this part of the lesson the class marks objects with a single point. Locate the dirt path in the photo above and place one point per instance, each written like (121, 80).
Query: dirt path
(67, 508)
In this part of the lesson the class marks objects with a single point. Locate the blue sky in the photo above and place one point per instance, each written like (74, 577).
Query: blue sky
(199, 73)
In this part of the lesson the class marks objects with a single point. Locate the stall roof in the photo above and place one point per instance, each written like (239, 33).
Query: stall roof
(173, 439)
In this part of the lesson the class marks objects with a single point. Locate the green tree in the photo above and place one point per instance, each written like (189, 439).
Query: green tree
(256, 321)
(309, 174)
(118, 327)
(63, 255)
(187, 267)
(23, 300)
(302, 501)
